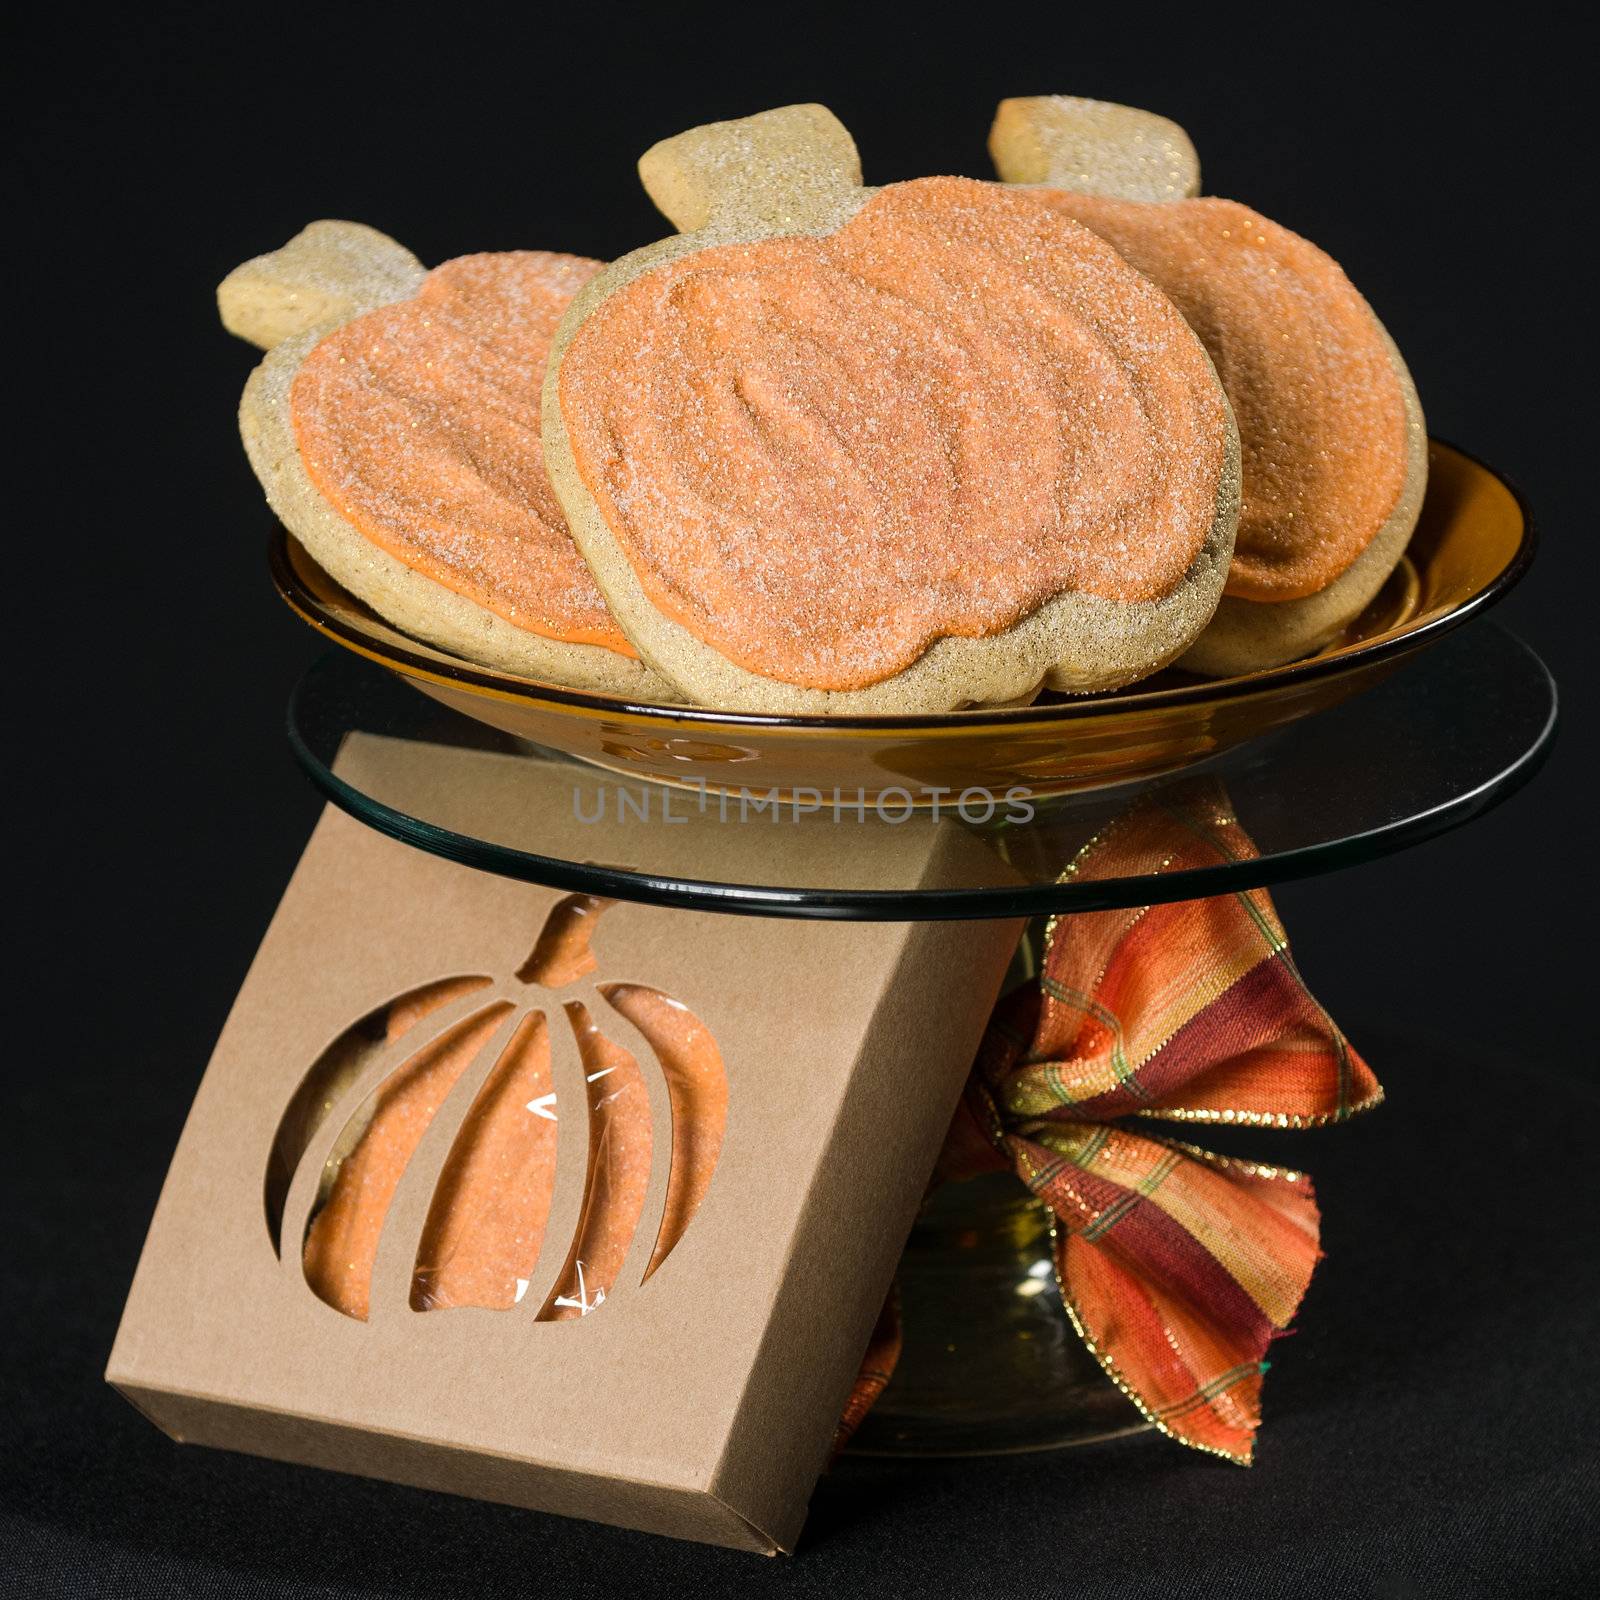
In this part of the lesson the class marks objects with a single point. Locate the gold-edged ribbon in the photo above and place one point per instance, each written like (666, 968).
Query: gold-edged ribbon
(1177, 1266)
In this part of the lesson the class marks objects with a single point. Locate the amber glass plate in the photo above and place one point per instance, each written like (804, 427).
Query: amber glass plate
(1473, 541)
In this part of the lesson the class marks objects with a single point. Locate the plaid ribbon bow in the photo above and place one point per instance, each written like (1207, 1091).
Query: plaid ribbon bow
(1177, 1266)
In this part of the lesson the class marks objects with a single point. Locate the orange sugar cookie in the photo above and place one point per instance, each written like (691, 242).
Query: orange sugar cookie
(1332, 441)
(838, 449)
(394, 425)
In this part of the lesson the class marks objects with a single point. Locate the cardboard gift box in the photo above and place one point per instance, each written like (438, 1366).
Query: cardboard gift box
(432, 1101)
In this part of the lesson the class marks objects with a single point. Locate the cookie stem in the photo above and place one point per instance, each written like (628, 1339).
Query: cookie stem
(327, 274)
(788, 169)
(1093, 147)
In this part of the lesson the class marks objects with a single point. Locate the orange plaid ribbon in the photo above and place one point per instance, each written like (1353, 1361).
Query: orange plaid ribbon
(1177, 1267)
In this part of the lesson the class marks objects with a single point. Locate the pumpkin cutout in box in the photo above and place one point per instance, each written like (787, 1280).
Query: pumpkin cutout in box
(489, 1068)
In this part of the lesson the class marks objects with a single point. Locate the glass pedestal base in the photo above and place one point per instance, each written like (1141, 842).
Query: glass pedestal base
(991, 1363)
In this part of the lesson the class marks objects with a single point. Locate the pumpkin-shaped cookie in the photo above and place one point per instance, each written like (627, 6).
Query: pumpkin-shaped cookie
(1331, 433)
(394, 426)
(835, 449)
(457, 1085)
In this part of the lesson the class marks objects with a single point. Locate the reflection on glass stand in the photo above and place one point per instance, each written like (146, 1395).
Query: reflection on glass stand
(990, 1363)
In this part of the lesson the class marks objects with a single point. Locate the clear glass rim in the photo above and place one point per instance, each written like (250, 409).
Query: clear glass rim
(931, 904)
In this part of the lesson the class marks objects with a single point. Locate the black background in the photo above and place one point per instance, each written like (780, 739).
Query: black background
(1431, 1429)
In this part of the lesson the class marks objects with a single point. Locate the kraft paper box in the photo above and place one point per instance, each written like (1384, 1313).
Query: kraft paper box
(691, 1382)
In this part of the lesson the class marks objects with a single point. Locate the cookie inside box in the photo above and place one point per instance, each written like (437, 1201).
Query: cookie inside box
(583, 1207)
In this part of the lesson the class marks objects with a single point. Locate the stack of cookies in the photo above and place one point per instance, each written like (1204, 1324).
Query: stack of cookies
(840, 450)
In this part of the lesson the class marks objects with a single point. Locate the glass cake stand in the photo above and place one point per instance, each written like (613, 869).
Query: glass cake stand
(990, 1362)
(1422, 751)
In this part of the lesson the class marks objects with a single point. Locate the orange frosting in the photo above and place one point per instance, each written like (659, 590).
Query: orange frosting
(619, 1171)
(697, 1088)
(419, 424)
(820, 455)
(1321, 412)
(341, 1246)
(492, 1202)
(620, 1138)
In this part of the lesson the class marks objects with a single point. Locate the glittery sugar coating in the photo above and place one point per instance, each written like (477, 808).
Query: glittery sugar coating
(821, 454)
(1320, 407)
(419, 424)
